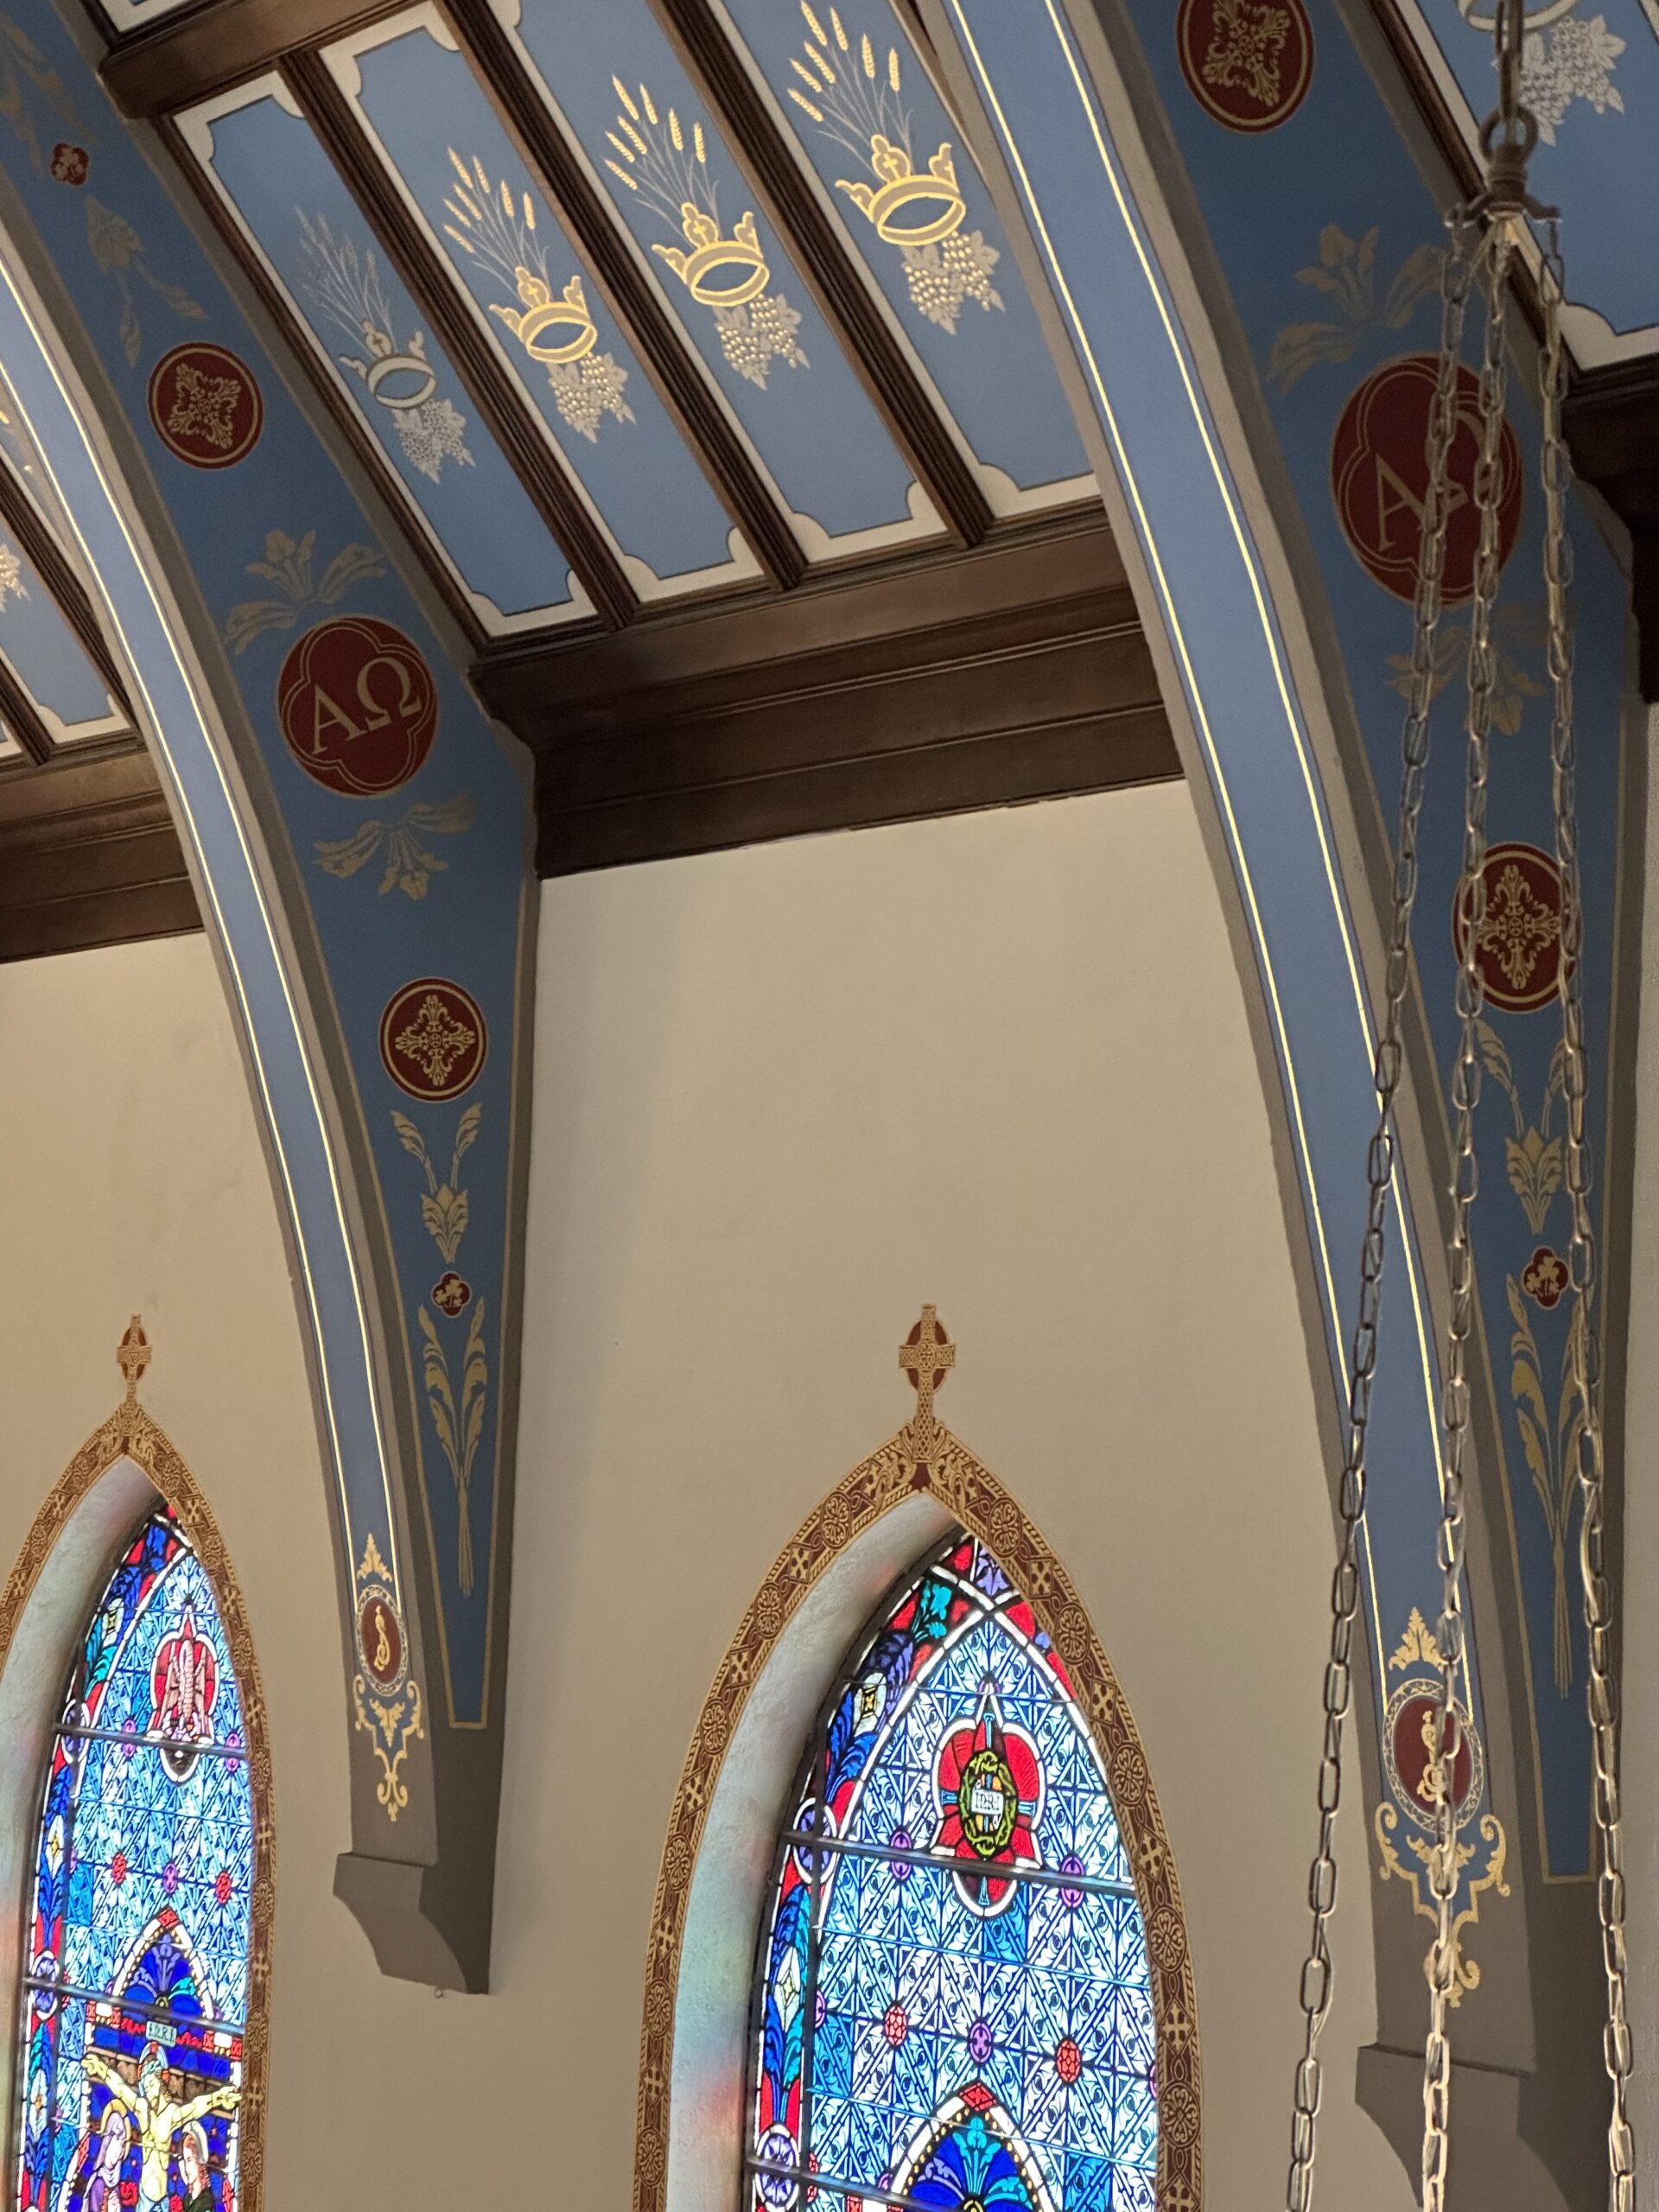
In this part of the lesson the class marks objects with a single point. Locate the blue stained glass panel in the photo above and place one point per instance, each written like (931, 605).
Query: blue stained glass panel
(136, 1996)
(942, 2013)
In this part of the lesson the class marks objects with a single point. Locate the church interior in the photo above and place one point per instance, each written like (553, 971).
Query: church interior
(811, 818)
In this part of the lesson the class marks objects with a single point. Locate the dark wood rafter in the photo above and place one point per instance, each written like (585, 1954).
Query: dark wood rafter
(161, 71)
(22, 716)
(793, 208)
(487, 380)
(363, 443)
(40, 547)
(573, 197)
(1612, 424)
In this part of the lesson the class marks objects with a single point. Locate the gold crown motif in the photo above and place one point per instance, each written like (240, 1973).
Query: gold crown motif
(543, 312)
(904, 187)
(710, 251)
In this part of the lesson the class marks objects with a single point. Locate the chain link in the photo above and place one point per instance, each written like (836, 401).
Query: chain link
(1316, 1980)
(1583, 1345)
(1443, 1863)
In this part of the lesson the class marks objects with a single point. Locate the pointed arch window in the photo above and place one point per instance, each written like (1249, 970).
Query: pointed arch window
(953, 2009)
(135, 1980)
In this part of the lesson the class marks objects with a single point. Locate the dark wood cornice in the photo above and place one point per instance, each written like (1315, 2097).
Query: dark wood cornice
(22, 716)
(1015, 672)
(1612, 422)
(573, 196)
(792, 208)
(478, 364)
(88, 857)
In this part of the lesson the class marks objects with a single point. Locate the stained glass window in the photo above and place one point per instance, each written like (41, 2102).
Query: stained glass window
(135, 1983)
(953, 2010)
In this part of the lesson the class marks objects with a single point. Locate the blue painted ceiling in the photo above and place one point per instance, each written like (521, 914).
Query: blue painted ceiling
(750, 333)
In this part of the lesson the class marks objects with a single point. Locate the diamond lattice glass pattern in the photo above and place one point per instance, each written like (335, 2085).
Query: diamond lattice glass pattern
(137, 1968)
(965, 2019)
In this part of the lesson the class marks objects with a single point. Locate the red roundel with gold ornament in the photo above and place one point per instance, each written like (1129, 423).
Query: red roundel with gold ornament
(1379, 478)
(205, 406)
(433, 1039)
(1246, 62)
(1519, 951)
(380, 1639)
(357, 705)
(1418, 1751)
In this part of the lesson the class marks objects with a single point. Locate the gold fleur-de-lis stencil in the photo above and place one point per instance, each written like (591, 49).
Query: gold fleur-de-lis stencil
(855, 97)
(666, 168)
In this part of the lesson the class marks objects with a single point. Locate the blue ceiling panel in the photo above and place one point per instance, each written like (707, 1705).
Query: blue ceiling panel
(616, 86)
(1590, 72)
(443, 142)
(270, 167)
(47, 657)
(853, 94)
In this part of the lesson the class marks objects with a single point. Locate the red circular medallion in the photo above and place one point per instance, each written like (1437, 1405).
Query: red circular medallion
(70, 164)
(1545, 1278)
(1519, 954)
(1379, 478)
(380, 1639)
(357, 705)
(1246, 62)
(1421, 1776)
(432, 1039)
(205, 406)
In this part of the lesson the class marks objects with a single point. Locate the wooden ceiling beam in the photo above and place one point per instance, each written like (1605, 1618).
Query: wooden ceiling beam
(89, 855)
(21, 717)
(480, 367)
(878, 356)
(725, 457)
(189, 56)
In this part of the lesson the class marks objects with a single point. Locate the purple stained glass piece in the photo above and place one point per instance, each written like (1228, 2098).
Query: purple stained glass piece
(981, 2043)
(1069, 1897)
(901, 1839)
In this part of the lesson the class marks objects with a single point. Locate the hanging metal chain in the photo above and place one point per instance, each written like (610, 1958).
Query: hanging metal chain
(1316, 1981)
(1444, 1865)
(1583, 1345)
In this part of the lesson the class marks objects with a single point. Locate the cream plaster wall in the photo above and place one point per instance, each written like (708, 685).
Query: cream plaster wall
(783, 1096)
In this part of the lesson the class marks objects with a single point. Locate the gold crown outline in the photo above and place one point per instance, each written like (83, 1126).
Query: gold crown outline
(711, 251)
(543, 312)
(904, 186)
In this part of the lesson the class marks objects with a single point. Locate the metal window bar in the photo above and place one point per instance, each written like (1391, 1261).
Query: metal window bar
(149, 1736)
(948, 1863)
(159, 2012)
(833, 2185)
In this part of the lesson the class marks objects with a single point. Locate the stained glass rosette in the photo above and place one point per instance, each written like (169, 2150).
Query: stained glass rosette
(954, 2005)
(135, 1983)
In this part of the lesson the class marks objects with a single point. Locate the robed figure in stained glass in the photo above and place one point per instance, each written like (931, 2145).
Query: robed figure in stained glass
(135, 1983)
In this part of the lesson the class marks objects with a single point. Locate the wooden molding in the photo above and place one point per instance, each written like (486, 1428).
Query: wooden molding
(88, 857)
(1014, 672)
(1612, 422)
(188, 57)
(481, 369)
(875, 353)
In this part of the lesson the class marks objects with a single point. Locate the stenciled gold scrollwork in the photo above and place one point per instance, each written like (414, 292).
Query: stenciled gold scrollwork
(396, 1723)
(1465, 1971)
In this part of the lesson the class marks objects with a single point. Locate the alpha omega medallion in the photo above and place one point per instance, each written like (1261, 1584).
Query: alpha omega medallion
(357, 705)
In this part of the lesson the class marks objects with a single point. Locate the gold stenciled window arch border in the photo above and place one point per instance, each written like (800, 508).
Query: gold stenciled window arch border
(130, 1433)
(924, 1456)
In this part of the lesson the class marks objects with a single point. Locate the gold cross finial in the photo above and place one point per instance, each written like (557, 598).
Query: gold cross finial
(133, 1354)
(927, 1356)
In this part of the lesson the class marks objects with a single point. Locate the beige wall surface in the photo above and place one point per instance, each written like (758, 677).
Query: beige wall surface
(783, 1096)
